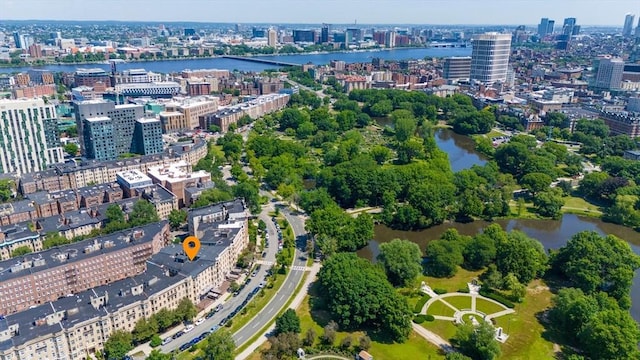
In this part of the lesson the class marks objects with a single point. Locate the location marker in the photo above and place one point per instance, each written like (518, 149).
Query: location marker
(191, 246)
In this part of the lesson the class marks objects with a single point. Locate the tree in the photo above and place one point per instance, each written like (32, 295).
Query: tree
(380, 154)
(283, 346)
(364, 342)
(309, 337)
(143, 213)
(157, 355)
(536, 182)
(6, 189)
(480, 252)
(186, 310)
(358, 293)
(21, 250)
(288, 322)
(329, 333)
(177, 218)
(144, 330)
(443, 258)
(404, 124)
(71, 149)
(549, 203)
(155, 341)
(220, 346)
(477, 342)
(611, 334)
(118, 345)
(401, 260)
(521, 255)
(598, 263)
(456, 356)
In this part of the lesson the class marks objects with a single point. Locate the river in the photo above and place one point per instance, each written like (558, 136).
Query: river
(551, 233)
(169, 66)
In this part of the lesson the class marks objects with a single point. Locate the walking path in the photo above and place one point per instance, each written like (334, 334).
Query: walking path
(432, 337)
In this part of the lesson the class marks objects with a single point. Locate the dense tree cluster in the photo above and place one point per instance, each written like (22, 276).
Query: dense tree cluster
(336, 230)
(513, 253)
(359, 295)
(401, 261)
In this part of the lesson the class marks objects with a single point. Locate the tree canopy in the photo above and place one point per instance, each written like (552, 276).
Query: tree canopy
(401, 260)
(288, 322)
(359, 295)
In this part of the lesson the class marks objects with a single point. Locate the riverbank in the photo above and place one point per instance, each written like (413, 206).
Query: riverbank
(203, 57)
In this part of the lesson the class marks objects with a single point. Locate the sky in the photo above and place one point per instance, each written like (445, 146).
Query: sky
(508, 12)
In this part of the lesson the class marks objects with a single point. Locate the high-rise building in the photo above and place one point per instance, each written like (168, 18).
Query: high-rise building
(627, 29)
(490, 57)
(551, 26)
(272, 40)
(147, 136)
(543, 27)
(28, 136)
(123, 118)
(568, 27)
(98, 135)
(306, 36)
(390, 39)
(609, 73)
(22, 41)
(324, 34)
(457, 68)
(258, 33)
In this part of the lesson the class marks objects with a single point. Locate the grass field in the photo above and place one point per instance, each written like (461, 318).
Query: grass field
(317, 319)
(446, 329)
(439, 308)
(488, 307)
(580, 206)
(452, 284)
(460, 302)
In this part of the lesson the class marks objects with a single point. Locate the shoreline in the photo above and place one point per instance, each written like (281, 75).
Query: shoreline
(106, 62)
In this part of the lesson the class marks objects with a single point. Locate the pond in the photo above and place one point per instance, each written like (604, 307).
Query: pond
(551, 233)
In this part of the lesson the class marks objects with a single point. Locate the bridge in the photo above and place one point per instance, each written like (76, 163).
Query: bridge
(262, 61)
(448, 45)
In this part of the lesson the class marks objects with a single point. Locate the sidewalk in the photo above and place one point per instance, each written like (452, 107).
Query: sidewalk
(297, 301)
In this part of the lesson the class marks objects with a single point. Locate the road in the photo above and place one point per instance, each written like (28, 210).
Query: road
(288, 287)
(273, 307)
(320, 93)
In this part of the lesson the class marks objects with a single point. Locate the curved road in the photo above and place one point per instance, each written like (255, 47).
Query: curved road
(274, 306)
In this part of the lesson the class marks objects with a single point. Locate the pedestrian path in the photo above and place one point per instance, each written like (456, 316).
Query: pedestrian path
(300, 268)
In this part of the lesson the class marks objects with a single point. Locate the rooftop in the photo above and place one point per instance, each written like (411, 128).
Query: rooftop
(51, 258)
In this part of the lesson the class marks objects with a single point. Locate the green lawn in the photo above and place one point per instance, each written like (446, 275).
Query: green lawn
(525, 340)
(317, 319)
(574, 204)
(488, 307)
(446, 329)
(439, 308)
(452, 284)
(460, 302)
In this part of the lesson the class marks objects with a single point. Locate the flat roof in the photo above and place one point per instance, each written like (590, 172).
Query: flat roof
(133, 177)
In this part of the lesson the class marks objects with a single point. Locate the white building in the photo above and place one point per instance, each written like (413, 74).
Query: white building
(28, 136)
(609, 75)
(138, 76)
(272, 40)
(490, 57)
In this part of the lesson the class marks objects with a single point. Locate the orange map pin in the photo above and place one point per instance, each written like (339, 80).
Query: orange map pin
(191, 246)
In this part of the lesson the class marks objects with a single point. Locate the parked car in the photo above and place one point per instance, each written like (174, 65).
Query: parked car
(199, 321)
(167, 340)
(189, 328)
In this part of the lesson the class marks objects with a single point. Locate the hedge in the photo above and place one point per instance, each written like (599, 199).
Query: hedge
(439, 291)
(420, 304)
(464, 290)
(498, 297)
(419, 319)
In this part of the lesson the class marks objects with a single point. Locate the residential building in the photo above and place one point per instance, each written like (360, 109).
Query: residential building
(609, 73)
(137, 76)
(28, 136)
(162, 199)
(198, 88)
(132, 180)
(57, 272)
(192, 109)
(622, 122)
(164, 89)
(76, 325)
(177, 177)
(147, 137)
(272, 39)
(99, 135)
(256, 108)
(457, 68)
(490, 57)
(89, 77)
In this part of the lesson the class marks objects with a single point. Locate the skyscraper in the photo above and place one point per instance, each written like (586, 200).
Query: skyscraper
(627, 30)
(551, 26)
(457, 68)
(609, 75)
(272, 39)
(570, 27)
(490, 57)
(324, 34)
(28, 136)
(543, 27)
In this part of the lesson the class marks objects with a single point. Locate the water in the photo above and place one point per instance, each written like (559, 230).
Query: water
(551, 233)
(169, 66)
(461, 150)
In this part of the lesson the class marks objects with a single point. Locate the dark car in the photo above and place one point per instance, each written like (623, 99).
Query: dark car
(184, 347)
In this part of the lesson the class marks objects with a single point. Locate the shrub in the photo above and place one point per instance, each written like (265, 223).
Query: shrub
(429, 317)
(419, 319)
(464, 290)
(420, 304)
(497, 297)
(439, 291)
(155, 341)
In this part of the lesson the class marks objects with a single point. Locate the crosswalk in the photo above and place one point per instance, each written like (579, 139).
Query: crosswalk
(264, 262)
(299, 268)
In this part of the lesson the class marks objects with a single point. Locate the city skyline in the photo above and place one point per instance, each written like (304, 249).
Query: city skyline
(436, 12)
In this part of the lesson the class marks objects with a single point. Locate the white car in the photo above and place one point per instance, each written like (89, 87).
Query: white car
(199, 321)
(189, 328)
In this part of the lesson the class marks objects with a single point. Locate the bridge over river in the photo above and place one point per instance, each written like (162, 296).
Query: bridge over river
(259, 60)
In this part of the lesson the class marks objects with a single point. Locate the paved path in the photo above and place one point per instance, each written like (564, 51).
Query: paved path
(328, 356)
(432, 337)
